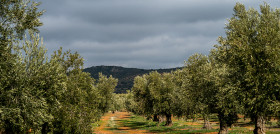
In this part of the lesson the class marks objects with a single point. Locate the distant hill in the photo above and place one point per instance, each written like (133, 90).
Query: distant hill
(124, 75)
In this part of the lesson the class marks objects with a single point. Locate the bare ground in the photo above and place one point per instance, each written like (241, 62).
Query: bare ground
(116, 118)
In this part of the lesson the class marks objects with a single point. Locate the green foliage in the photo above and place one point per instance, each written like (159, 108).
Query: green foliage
(156, 90)
(124, 75)
(202, 82)
(77, 110)
(240, 76)
(105, 87)
(198, 83)
(118, 103)
(25, 104)
(153, 95)
(161, 88)
(251, 51)
(142, 96)
(52, 95)
(17, 16)
(129, 103)
(182, 104)
(44, 94)
(16, 96)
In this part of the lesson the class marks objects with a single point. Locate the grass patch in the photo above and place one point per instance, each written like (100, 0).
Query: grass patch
(179, 126)
(137, 122)
(96, 124)
(191, 131)
(134, 123)
(112, 123)
(190, 126)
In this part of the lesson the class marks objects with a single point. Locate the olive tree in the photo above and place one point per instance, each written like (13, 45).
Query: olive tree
(181, 96)
(118, 103)
(207, 89)
(154, 95)
(16, 16)
(199, 86)
(226, 102)
(78, 101)
(164, 96)
(129, 103)
(106, 86)
(251, 51)
(142, 97)
(42, 94)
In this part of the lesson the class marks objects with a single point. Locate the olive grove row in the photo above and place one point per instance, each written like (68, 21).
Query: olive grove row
(44, 94)
(241, 75)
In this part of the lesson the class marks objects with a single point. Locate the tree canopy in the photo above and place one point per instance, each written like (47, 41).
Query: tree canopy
(39, 93)
(251, 51)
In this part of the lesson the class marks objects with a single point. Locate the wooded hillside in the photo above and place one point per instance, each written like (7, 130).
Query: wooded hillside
(124, 75)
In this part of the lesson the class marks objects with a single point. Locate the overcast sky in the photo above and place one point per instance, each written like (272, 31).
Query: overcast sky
(137, 33)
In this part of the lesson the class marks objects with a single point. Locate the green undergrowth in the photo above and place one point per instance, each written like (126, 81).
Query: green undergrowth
(139, 122)
(180, 125)
(189, 126)
(96, 124)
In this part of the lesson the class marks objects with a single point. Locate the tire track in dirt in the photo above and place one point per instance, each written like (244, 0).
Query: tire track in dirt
(102, 129)
(117, 117)
(124, 116)
(118, 127)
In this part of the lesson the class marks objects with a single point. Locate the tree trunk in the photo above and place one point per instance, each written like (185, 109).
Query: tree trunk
(259, 125)
(155, 118)
(160, 119)
(223, 128)
(45, 128)
(223, 124)
(206, 124)
(168, 120)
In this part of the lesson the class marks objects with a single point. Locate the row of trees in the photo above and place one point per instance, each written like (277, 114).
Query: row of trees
(40, 93)
(240, 76)
(153, 96)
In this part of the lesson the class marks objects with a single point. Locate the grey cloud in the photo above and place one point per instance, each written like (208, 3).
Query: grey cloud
(137, 33)
(121, 32)
(161, 51)
(144, 11)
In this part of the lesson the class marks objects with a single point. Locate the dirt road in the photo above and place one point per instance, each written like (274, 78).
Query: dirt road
(112, 124)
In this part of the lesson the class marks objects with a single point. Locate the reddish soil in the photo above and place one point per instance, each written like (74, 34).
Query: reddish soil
(102, 129)
(118, 117)
(192, 123)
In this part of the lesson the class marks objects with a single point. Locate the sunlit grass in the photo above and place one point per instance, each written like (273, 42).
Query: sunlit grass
(131, 123)
(96, 124)
(191, 126)
(139, 122)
